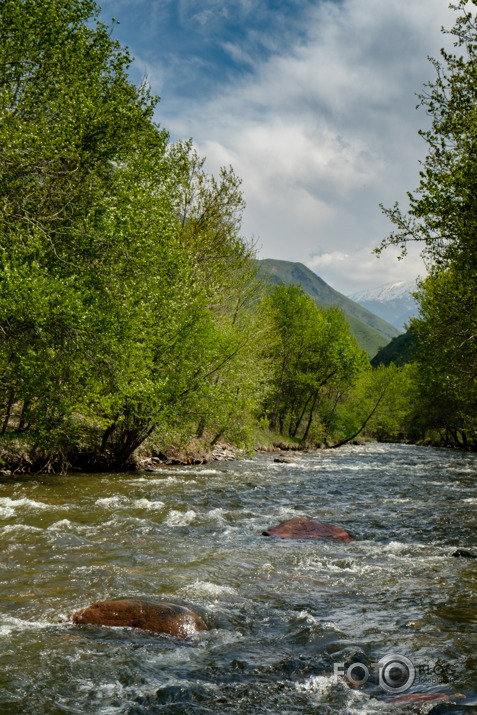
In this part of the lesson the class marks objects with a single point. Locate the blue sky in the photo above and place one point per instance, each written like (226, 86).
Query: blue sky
(312, 103)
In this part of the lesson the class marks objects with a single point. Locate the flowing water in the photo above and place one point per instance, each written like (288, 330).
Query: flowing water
(283, 614)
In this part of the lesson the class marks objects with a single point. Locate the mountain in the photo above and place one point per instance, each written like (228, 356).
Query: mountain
(392, 301)
(371, 332)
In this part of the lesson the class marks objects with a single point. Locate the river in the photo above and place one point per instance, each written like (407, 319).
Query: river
(284, 615)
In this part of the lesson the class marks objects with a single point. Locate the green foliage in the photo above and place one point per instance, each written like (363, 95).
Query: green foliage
(313, 356)
(129, 302)
(442, 213)
(126, 302)
(442, 216)
(377, 407)
(446, 363)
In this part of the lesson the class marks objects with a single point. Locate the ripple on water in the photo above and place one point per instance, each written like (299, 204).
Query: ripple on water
(10, 624)
(281, 611)
(9, 528)
(61, 525)
(24, 503)
(124, 502)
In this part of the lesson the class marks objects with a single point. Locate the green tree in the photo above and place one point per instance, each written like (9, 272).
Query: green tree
(446, 363)
(126, 288)
(68, 118)
(442, 212)
(314, 356)
(442, 216)
(377, 406)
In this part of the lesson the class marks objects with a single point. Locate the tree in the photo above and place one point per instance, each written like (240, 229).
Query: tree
(377, 406)
(442, 216)
(313, 355)
(125, 284)
(446, 362)
(442, 213)
(204, 368)
(69, 118)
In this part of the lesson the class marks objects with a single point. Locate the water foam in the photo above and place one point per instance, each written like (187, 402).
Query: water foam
(23, 502)
(60, 525)
(123, 502)
(320, 684)
(217, 514)
(177, 518)
(333, 690)
(207, 589)
(19, 527)
(148, 504)
(11, 624)
(397, 547)
(116, 501)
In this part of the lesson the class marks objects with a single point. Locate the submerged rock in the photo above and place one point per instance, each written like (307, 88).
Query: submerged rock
(410, 698)
(157, 618)
(463, 554)
(301, 528)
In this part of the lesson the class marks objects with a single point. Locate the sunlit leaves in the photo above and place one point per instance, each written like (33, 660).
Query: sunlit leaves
(443, 216)
(315, 360)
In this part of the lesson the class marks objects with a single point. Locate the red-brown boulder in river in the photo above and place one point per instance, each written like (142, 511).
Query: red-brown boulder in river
(301, 528)
(420, 698)
(156, 617)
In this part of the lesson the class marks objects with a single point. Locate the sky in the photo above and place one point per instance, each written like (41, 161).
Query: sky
(313, 103)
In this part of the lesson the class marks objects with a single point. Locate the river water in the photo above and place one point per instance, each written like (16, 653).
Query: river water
(283, 614)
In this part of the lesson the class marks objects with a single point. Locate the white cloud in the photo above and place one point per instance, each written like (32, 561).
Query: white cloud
(349, 272)
(328, 259)
(324, 133)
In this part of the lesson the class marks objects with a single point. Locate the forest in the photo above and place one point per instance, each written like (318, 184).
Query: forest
(132, 318)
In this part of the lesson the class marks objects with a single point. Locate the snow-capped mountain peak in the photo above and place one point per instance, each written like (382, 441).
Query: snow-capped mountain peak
(392, 302)
(385, 292)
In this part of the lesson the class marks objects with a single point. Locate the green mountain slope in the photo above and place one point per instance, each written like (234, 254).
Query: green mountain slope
(371, 332)
(399, 350)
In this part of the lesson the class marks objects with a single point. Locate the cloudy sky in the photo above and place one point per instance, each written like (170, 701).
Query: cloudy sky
(313, 102)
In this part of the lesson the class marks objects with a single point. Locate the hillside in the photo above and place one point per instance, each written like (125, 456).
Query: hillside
(371, 332)
(398, 351)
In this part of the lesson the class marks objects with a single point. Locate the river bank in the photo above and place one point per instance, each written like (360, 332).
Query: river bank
(17, 458)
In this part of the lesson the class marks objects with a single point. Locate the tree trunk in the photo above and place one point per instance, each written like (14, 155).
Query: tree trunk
(134, 439)
(348, 439)
(216, 438)
(21, 423)
(200, 428)
(107, 434)
(8, 412)
(298, 422)
(273, 421)
(310, 419)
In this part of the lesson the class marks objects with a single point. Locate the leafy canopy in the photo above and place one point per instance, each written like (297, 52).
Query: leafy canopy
(442, 216)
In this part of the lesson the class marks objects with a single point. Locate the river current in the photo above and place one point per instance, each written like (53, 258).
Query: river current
(284, 615)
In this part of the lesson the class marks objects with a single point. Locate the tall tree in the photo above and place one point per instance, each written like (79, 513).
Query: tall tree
(442, 216)
(124, 278)
(442, 212)
(69, 117)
